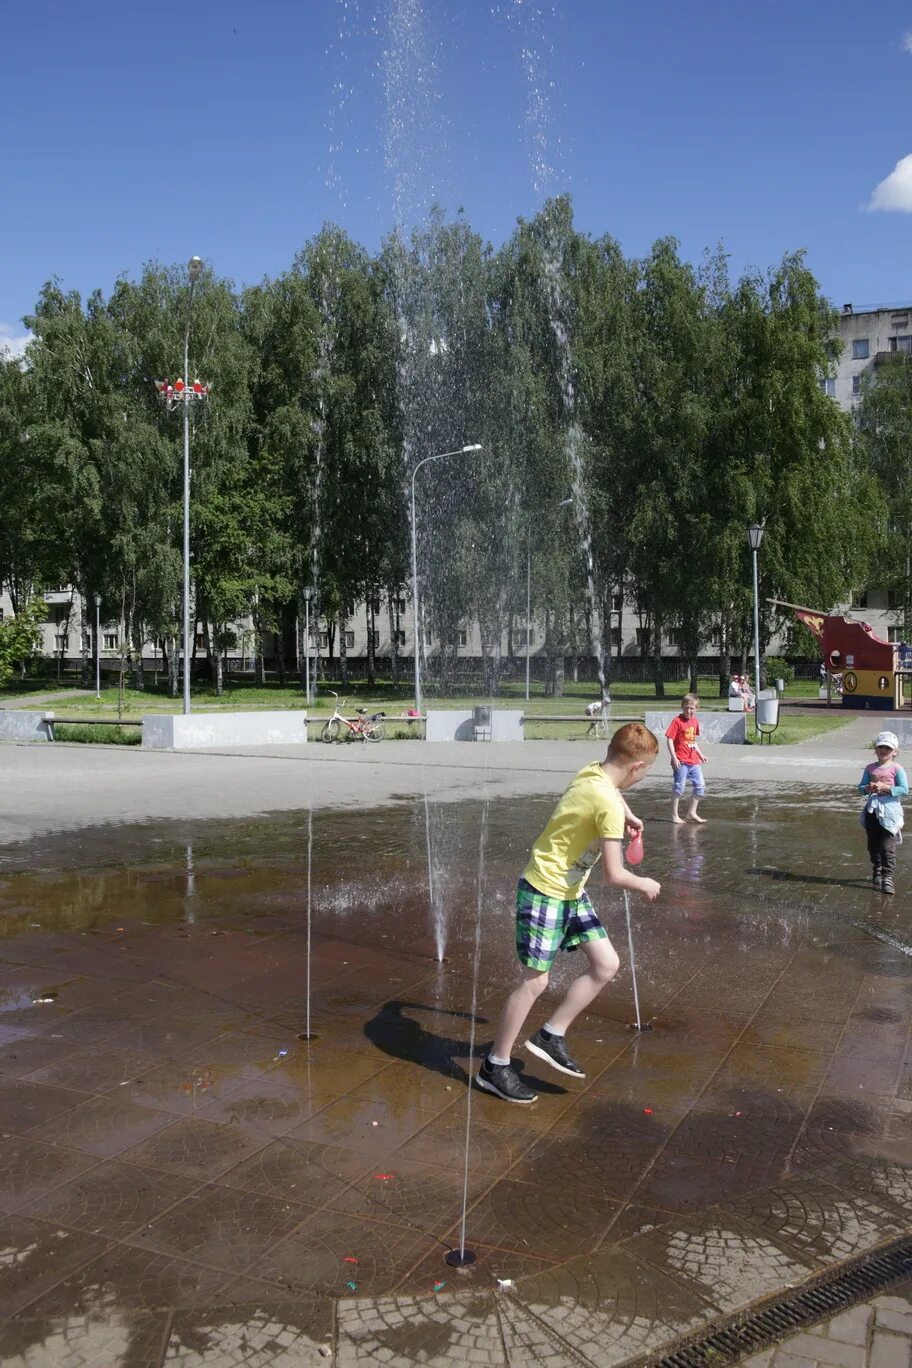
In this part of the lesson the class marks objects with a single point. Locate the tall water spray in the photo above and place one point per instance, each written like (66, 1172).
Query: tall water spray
(559, 314)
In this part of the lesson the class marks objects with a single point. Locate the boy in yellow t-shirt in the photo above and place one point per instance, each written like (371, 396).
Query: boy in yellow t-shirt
(553, 911)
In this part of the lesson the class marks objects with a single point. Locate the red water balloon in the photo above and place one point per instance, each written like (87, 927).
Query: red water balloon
(634, 852)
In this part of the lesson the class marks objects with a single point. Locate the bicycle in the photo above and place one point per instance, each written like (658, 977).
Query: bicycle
(363, 728)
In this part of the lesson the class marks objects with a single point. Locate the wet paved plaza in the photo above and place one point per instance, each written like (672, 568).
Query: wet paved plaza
(185, 1180)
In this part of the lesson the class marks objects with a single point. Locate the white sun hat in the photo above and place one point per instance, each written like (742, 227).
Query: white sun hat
(886, 739)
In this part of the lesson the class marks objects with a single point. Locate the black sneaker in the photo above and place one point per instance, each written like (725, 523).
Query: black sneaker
(503, 1081)
(887, 886)
(553, 1050)
(875, 880)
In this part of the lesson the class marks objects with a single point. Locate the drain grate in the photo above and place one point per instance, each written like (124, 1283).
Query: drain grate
(794, 1310)
(886, 937)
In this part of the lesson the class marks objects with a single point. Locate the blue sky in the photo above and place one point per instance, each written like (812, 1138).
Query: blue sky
(234, 130)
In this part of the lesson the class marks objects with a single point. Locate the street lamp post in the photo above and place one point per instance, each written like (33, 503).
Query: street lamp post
(97, 646)
(308, 595)
(755, 538)
(194, 270)
(460, 451)
(183, 392)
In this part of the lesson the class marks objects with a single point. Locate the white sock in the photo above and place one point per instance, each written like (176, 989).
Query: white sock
(551, 1031)
(492, 1059)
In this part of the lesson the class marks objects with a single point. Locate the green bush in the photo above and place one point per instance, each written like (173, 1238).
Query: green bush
(777, 668)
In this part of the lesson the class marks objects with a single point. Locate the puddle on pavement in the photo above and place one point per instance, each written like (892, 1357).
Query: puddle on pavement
(161, 1109)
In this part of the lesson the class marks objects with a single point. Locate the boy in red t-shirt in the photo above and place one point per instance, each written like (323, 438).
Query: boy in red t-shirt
(686, 759)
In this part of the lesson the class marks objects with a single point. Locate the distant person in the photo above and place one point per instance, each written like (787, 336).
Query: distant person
(823, 675)
(595, 711)
(686, 759)
(884, 785)
(553, 911)
(747, 692)
(734, 689)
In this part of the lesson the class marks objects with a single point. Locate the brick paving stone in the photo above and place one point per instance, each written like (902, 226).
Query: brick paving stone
(850, 1327)
(889, 1350)
(816, 1346)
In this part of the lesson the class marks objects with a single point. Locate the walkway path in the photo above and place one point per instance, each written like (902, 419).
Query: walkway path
(30, 700)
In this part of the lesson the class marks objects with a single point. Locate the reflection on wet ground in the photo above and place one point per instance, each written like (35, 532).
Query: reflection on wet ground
(184, 1180)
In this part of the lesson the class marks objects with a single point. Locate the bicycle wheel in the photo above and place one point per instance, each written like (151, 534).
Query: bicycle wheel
(330, 731)
(374, 731)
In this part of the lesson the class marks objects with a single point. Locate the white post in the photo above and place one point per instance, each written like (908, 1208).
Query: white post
(307, 649)
(528, 601)
(756, 646)
(415, 595)
(97, 646)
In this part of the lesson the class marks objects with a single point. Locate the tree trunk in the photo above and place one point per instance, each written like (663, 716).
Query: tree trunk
(393, 608)
(84, 677)
(343, 650)
(371, 619)
(172, 652)
(658, 674)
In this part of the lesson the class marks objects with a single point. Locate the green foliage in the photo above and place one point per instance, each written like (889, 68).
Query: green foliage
(674, 405)
(20, 638)
(779, 668)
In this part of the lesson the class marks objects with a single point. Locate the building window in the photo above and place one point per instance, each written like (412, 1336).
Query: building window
(400, 605)
(201, 641)
(324, 641)
(615, 638)
(856, 384)
(860, 599)
(62, 643)
(375, 607)
(903, 344)
(828, 387)
(891, 598)
(110, 641)
(860, 351)
(523, 638)
(461, 638)
(716, 636)
(894, 634)
(349, 641)
(642, 637)
(400, 638)
(617, 602)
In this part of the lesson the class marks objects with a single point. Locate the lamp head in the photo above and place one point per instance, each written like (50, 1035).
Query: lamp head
(755, 536)
(476, 446)
(98, 600)
(195, 268)
(308, 593)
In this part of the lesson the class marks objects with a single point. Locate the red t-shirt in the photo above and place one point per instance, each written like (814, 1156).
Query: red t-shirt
(684, 732)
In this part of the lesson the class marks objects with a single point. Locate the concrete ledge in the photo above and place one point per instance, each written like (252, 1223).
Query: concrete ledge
(174, 731)
(729, 728)
(457, 724)
(16, 725)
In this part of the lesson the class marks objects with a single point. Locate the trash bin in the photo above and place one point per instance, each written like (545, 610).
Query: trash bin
(768, 710)
(481, 723)
(780, 686)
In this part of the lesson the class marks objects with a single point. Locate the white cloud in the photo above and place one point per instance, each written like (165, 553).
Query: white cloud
(894, 193)
(907, 41)
(12, 342)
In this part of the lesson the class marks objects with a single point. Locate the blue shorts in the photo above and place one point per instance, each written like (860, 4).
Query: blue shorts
(545, 925)
(682, 774)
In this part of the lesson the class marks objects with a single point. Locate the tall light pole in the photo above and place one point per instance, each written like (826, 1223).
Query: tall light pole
(461, 451)
(97, 646)
(194, 271)
(755, 538)
(308, 595)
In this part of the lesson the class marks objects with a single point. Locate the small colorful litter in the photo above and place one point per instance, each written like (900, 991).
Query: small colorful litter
(647, 1111)
(383, 1177)
(352, 1285)
(439, 1285)
(349, 1258)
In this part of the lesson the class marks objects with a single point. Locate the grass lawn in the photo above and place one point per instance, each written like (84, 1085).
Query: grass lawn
(243, 695)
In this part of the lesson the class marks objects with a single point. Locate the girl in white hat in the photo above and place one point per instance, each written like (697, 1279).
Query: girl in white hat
(884, 785)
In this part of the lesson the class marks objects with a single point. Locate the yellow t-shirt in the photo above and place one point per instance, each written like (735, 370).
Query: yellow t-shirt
(562, 858)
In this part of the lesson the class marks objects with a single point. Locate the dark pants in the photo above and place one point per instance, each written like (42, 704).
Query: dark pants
(881, 846)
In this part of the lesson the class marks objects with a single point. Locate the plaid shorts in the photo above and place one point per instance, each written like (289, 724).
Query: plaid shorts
(545, 925)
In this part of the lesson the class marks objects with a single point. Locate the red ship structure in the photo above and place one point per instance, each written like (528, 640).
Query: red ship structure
(869, 670)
